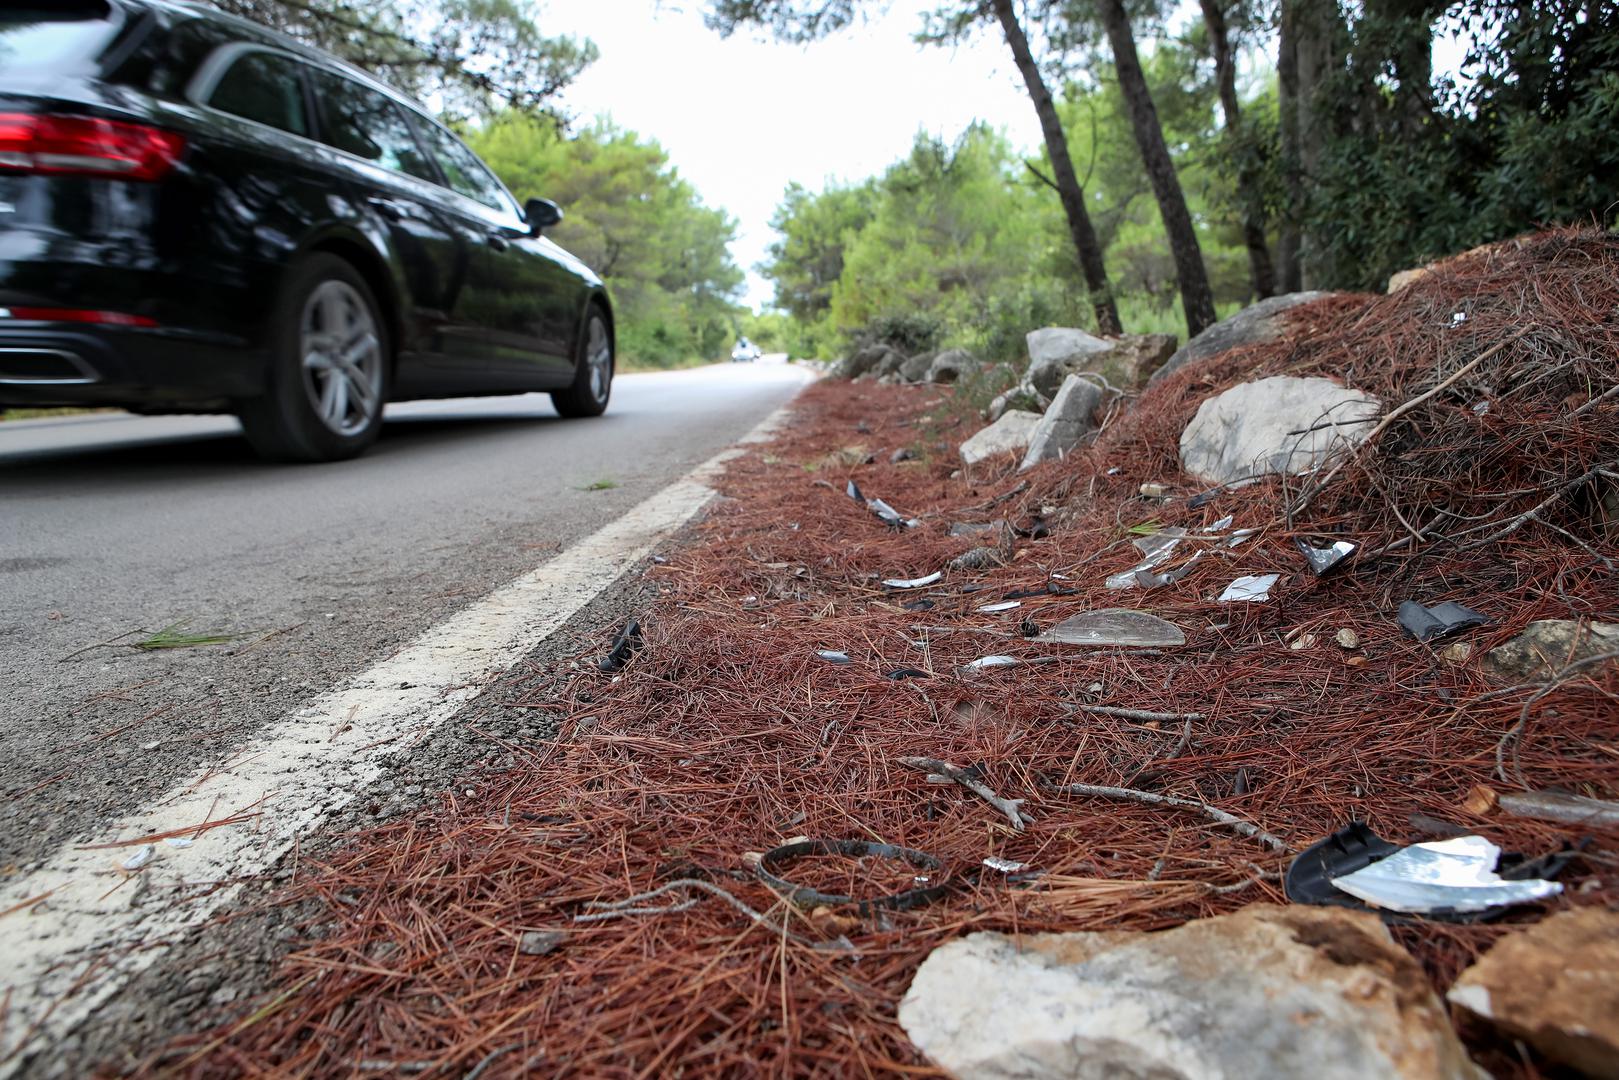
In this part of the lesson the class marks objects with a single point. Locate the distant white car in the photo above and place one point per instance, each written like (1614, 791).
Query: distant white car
(746, 352)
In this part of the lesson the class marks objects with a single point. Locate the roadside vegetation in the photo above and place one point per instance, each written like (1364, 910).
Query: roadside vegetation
(1191, 166)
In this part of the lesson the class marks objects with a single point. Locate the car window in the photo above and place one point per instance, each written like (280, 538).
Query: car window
(462, 169)
(369, 125)
(264, 87)
(44, 38)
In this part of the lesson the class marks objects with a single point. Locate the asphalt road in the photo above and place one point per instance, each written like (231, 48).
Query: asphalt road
(114, 527)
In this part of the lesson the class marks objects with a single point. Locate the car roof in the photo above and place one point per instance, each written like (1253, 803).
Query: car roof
(262, 34)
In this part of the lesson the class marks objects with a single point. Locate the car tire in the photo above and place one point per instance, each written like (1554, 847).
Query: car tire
(593, 369)
(329, 365)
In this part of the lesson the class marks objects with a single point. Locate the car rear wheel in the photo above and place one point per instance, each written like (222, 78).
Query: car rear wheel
(593, 375)
(328, 376)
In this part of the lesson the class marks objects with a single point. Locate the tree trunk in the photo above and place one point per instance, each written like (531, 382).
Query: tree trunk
(1196, 296)
(1287, 101)
(1069, 193)
(1314, 42)
(1261, 274)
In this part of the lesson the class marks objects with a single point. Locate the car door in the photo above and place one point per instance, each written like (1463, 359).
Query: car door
(527, 297)
(437, 247)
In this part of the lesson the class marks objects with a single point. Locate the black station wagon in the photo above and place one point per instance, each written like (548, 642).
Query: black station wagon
(200, 215)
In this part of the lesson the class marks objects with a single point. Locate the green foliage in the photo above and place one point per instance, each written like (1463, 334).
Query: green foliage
(1526, 138)
(631, 217)
(474, 56)
(964, 245)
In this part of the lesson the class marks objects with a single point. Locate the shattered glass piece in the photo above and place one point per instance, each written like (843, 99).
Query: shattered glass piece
(1441, 620)
(1115, 626)
(919, 605)
(832, 657)
(908, 673)
(1252, 588)
(1223, 524)
(854, 492)
(1445, 875)
(1005, 866)
(1008, 605)
(1148, 580)
(887, 514)
(144, 855)
(913, 583)
(1239, 536)
(179, 841)
(990, 661)
(1322, 559)
(1157, 548)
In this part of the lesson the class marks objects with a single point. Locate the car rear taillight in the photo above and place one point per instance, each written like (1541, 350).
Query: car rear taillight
(76, 315)
(85, 145)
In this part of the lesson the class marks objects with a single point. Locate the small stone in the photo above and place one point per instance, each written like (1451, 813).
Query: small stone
(1554, 986)
(1457, 652)
(1268, 991)
(1069, 419)
(541, 942)
(1548, 646)
(1347, 639)
(1153, 491)
(1357, 661)
(1480, 800)
(1264, 321)
(1302, 642)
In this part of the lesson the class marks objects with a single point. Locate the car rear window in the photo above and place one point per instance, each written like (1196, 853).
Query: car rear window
(265, 87)
(37, 38)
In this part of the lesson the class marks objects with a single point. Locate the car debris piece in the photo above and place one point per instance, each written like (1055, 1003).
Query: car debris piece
(990, 662)
(832, 657)
(908, 673)
(1252, 588)
(1005, 605)
(771, 864)
(920, 605)
(1323, 559)
(1115, 627)
(145, 854)
(181, 842)
(1036, 529)
(1146, 579)
(885, 513)
(627, 642)
(1157, 548)
(1049, 590)
(914, 583)
(1427, 623)
(1223, 524)
(902, 454)
(1460, 879)
(1456, 875)
(1005, 866)
(540, 942)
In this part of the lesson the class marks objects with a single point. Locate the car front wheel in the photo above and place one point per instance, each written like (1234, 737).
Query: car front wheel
(328, 376)
(593, 371)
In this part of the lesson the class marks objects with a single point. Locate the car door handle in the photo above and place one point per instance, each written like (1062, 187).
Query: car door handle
(389, 209)
(498, 242)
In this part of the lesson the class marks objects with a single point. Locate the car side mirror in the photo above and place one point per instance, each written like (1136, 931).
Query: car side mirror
(541, 214)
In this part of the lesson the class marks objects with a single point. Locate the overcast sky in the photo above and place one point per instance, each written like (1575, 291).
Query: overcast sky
(743, 116)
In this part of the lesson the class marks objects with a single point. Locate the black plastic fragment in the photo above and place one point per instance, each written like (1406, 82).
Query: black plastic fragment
(625, 645)
(1050, 589)
(804, 896)
(908, 673)
(1441, 620)
(919, 605)
(1351, 848)
(1036, 529)
(1515, 867)
(904, 453)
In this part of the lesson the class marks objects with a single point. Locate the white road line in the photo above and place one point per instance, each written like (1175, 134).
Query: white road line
(97, 922)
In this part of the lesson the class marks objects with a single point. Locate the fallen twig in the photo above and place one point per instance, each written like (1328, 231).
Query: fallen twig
(1009, 807)
(1516, 731)
(1138, 714)
(1152, 799)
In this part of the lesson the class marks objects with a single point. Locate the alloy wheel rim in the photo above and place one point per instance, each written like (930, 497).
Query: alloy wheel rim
(599, 358)
(341, 354)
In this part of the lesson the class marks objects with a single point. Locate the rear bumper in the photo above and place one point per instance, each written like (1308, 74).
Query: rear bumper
(45, 364)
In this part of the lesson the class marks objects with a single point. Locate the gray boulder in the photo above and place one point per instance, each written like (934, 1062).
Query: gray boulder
(1010, 433)
(1022, 396)
(861, 361)
(890, 364)
(1056, 352)
(1252, 325)
(1068, 420)
(917, 367)
(1268, 992)
(952, 364)
(1281, 425)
